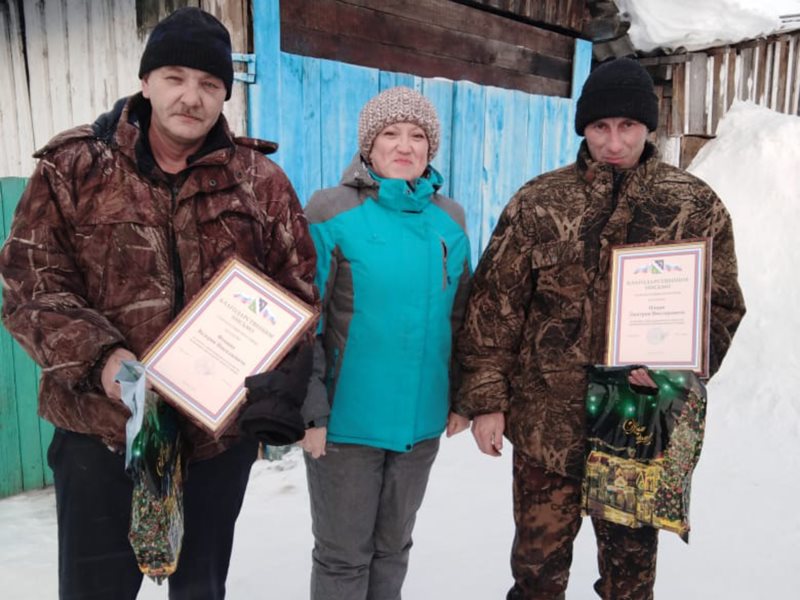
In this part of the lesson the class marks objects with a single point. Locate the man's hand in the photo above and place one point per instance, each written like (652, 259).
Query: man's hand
(314, 441)
(641, 378)
(110, 370)
(456, 424)
(488, 432)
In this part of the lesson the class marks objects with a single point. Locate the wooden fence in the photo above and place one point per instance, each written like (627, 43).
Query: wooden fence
(698, 88)
(24, 437)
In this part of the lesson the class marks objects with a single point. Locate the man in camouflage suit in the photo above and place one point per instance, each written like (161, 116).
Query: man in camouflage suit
(537, 316)
(121, 224)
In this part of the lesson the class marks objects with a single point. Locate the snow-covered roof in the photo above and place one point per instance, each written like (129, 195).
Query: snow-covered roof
(698, 24)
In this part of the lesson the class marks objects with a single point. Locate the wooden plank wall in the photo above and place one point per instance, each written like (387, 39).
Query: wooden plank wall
(15, 114)
(430, 38)
(493, 139)
(700, 87)
(82, 55)
(566, 14)
(24, 437)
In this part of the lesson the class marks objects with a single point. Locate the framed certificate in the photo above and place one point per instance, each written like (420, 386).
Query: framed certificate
(241, 323)
(658, 310)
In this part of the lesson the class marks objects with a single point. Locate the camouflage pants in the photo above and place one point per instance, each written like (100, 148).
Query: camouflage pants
(547, 516)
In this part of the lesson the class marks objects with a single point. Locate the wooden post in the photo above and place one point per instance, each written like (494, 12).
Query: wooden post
(761, 73)
(794, 96)
(782, 74)
(718, 87)
(731, 57)
(698, 74)
(677, 123)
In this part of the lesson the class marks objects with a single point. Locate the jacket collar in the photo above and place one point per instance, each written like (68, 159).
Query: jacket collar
(592, 171)
(124, 127)
(392, 193)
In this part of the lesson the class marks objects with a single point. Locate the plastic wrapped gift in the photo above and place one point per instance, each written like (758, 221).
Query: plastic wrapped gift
(644, 444)
(154, 462)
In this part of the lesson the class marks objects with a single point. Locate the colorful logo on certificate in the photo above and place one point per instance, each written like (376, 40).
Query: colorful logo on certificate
(257, 305)
(657, 267)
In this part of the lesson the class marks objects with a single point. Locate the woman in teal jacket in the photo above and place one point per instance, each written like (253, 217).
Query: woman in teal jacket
(393, 272)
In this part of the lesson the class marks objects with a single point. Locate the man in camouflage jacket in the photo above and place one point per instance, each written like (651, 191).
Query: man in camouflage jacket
(537, 316)
(121, 224)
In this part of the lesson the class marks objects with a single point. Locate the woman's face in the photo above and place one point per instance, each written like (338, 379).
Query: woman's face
(400, 151)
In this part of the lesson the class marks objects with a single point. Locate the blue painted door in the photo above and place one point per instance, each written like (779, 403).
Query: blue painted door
(493, 139)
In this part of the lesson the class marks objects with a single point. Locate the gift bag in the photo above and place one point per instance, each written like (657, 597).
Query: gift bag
(643, 447)
(154, 462)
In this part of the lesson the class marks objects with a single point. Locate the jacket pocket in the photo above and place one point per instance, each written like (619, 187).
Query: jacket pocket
(232, 224)
(114, 257)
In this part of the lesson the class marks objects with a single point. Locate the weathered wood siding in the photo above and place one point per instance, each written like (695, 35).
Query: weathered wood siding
(565, 14)
(15, 114)
(701, 86)
(82, 55)
(493, 139)
(431, 38)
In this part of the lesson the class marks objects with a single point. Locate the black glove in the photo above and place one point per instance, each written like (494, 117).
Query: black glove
(273, 415)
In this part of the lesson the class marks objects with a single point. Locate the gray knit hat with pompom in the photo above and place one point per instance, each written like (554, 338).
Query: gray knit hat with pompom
(397, 105)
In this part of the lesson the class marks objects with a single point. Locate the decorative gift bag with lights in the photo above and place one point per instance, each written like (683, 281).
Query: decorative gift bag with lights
(154, 460)
(644, 444)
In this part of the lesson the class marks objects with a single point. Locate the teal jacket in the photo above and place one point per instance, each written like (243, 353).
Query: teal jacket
(393, 273)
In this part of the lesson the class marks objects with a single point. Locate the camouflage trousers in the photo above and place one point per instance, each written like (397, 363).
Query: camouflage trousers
(547, 517)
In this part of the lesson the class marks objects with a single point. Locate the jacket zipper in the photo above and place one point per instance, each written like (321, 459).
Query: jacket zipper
(445, 276)
(177, 270)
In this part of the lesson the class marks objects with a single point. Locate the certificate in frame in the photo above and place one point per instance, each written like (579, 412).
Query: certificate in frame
(239, 324)
(659, 305)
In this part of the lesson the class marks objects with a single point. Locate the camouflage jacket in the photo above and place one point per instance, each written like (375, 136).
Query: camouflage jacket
(104, 250)
(537, 311)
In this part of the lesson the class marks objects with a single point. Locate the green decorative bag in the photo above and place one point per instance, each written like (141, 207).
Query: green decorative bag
(643, 447)
(155, 463)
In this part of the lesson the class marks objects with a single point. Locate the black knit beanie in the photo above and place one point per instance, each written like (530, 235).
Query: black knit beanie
(190, 37)
(618, 88)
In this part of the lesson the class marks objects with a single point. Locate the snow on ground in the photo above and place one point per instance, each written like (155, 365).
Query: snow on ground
(697, 24)
(745, 524)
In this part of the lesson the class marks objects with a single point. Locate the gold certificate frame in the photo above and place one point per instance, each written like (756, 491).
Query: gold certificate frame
(241, 323)
(659, 305)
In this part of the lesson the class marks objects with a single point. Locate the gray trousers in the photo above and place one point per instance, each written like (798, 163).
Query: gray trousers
(364, 502)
